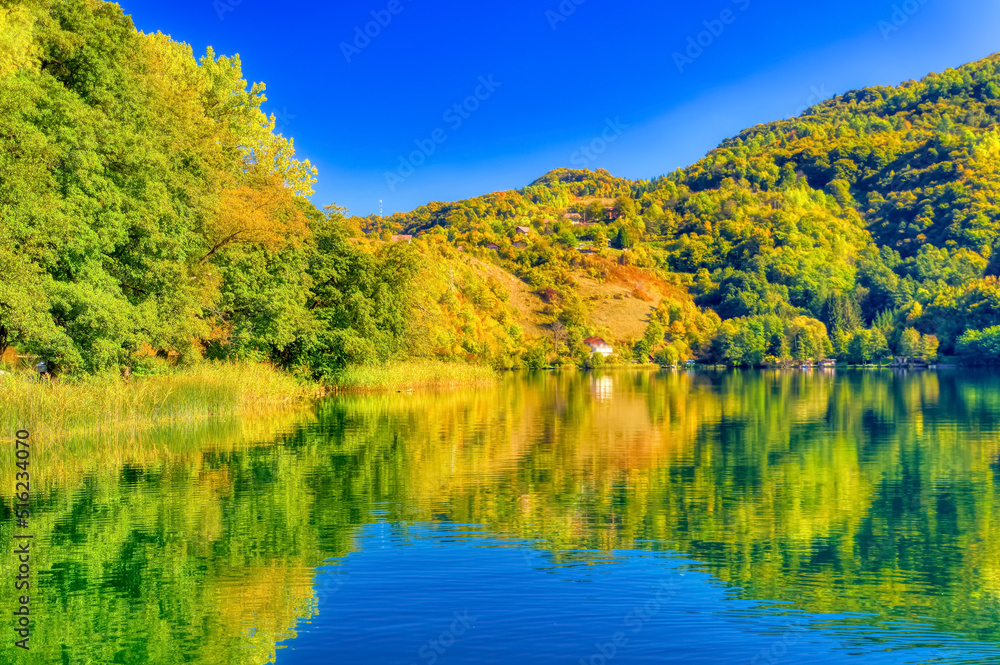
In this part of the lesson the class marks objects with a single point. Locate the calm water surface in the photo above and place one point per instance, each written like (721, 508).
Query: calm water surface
(630, 517)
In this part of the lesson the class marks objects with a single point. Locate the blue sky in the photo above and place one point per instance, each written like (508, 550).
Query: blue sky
(638, 88)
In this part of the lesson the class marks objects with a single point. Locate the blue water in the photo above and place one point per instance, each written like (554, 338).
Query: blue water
(448, 593)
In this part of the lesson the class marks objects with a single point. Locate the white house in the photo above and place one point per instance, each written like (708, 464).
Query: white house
(598, 345)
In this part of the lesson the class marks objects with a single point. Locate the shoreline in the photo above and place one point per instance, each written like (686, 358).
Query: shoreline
(111, 404)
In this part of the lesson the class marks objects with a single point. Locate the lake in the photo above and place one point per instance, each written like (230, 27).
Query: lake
(609, 517)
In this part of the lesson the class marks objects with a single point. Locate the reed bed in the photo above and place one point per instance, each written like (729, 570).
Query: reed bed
(111, 404)
(414, 374)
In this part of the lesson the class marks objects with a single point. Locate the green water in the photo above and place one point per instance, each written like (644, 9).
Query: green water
(859, 509)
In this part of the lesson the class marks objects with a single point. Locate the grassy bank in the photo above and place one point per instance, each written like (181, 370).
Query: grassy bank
(106, 404)
(67, 408)
(412, 374)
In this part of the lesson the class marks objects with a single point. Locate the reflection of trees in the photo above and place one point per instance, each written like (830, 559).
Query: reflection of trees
(871, 492)
(174, 550)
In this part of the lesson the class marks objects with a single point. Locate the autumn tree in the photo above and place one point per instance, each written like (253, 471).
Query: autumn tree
(910, 344)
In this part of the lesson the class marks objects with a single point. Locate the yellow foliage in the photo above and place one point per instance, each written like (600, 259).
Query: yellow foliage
(17, 39)
(265, 216)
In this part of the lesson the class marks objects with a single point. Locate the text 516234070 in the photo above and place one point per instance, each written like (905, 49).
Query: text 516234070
(22, 541)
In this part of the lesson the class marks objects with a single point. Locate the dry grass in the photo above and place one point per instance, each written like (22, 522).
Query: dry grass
(413, 374)
(621, 318)
(615, 310)
(587, 200)
(618, 305)
(111, 405)
(525, 301)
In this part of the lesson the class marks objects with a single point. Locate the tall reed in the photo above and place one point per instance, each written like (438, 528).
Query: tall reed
(111, 404)
(413, 374)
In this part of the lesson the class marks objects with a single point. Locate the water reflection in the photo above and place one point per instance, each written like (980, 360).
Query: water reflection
(603, 387)
(863, 503)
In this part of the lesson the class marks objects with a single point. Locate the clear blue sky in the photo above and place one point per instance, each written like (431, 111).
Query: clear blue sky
(564, 76)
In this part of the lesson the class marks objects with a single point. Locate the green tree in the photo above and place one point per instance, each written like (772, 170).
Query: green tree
(993, 267)
(910, 344)
(860, 349)
(653, 336)
(595, 212)
(929, 348)
(668, 356)
(623, 240)
(568, 238)
(624, 206)
(600, 238)
(878, 347)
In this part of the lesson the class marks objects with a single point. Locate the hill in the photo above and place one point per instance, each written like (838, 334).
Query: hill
(874, 213)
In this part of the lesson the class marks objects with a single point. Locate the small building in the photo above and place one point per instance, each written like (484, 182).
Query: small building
(610, 212)
(828, 362)
(402, 238)
(572, 216)
(523, 230)
(521, 245)
(495, 247)
(598, 345)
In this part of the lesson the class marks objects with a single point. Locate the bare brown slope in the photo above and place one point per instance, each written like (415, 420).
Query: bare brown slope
(526, 302)
(618, 304)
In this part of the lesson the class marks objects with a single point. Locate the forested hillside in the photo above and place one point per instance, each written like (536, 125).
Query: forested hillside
(865, 228)
(149, 206)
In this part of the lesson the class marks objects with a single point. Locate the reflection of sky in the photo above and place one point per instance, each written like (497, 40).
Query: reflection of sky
(398, 604)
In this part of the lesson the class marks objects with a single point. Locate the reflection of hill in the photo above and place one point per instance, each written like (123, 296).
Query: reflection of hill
(867, 492)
